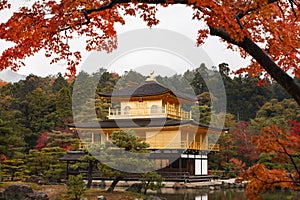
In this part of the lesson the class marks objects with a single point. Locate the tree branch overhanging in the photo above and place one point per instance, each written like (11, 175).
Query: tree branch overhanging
(247, 44)
(286, 81)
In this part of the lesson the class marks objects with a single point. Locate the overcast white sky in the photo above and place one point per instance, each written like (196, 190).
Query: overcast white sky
(176, 18)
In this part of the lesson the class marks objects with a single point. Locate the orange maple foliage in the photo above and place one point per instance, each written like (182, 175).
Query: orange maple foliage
(2, 83)
(268, 30)
(284, 145)
(48, 25)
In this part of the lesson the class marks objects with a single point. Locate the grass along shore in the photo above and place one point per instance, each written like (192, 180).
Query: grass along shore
(59, 192)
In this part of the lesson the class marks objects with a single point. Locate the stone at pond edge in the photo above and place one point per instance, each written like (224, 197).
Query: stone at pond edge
(37, 196)
(151, 197)
(136, 187)
(101, 197)
(17, 192)
(178, 186)
(22, 192)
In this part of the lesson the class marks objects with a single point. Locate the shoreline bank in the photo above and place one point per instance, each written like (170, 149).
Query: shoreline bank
(211, 185)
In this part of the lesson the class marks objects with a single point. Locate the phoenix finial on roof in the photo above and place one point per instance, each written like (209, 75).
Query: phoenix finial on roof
(151, 73)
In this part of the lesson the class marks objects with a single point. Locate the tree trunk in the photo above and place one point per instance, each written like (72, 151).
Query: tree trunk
(114, 183)
(90, 174)
(282, 78)
(146, 186)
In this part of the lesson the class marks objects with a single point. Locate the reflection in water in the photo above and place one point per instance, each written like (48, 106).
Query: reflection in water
(228, 194)
(200, 194)
(201, 197)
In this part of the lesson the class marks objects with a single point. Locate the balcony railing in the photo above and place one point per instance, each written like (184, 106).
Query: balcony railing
(173, 145)
(214, 147)
(148, 112)
(84, 145)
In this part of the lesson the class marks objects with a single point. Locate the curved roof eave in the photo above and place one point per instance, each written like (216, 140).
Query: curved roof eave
(141, 123)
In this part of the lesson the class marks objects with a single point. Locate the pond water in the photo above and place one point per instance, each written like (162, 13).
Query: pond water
(228, 194)
(223, 194)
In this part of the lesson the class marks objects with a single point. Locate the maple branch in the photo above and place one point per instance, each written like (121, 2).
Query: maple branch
(85, 14)
(240, 15)
(270, 182)
(282, 12)
(115, 2)
(293, 178)
(104, 7)
(287, 82)
(112, 3)
(292, 3)
(290, 157)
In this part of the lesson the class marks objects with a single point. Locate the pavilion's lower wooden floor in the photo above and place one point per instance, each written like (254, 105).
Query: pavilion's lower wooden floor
(172, 177)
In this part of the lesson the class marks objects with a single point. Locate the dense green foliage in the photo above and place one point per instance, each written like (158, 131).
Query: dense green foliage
(152, 181)
(76, 187)
(238, 142)
(124, 155)
(34, 114)
(45, 163)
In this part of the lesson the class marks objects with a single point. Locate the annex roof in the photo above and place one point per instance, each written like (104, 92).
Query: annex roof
(72, 156)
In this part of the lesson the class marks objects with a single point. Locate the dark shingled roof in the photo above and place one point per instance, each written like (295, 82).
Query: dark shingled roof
(138, 123)
(148, 88)
(72, 156)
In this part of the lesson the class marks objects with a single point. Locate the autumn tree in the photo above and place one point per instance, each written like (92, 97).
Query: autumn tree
(64, 140)
(267, 30)
(243, 134)
(282, 145)
(2, 83)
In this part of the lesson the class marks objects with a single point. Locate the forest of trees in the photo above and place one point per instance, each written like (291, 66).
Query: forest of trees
(35, 113)
(265, 30)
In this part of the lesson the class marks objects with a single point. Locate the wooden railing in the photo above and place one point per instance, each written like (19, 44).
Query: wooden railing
(173, 145)
(84, 145)
(214, 147)
(148, 112)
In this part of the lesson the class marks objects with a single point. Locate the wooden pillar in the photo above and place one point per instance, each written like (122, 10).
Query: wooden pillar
(201, 142)
(187, 139)
(180, 164)
(206, 140)
(67, 174)
(93, 139)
